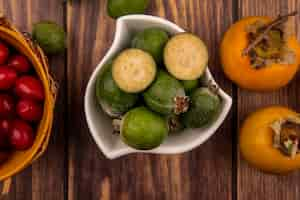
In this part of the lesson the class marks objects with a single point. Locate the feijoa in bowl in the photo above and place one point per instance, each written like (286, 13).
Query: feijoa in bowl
(100, 124)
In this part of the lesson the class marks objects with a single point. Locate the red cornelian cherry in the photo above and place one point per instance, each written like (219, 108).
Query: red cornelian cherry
(20, 63)
(21, 135)
(4, 53)
(30, 87)
(29, 110)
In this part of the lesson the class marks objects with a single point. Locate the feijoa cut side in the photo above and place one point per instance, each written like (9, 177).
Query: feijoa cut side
(186, 56)
(151, 40)
(166, 95)
(143, 129)
(118, 8)
(112, 99)
(204, 106)
(133, 70)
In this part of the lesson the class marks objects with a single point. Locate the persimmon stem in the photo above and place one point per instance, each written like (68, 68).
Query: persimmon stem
(279, 20)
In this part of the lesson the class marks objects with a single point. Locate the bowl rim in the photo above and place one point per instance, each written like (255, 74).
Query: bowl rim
(126, 149)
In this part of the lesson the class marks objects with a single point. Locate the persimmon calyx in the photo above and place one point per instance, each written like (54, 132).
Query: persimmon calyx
(287, 135)
(268, 42)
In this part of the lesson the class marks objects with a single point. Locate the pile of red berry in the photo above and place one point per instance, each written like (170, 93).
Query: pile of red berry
(21, 101)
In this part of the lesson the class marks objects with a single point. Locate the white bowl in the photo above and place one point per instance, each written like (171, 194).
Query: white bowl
(100, 125)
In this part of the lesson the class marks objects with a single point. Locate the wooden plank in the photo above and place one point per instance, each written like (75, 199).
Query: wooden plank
(204, 173)
(253, 184)
(45, 178)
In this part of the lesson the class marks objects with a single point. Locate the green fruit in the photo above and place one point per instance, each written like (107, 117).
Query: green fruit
(185, 56)
(113, 100)
(143, 129)
(151, 40)
(50, 36)
(118, 8)
(166, 95)
(189, 86)
(133, 70)
(205, 104)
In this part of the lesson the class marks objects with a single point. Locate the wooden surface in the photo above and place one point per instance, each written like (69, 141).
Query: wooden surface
(74, 169)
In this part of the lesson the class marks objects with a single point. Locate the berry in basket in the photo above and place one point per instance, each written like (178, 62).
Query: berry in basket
(21, 101)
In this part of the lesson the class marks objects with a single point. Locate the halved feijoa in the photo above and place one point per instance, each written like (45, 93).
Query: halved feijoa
(166, 95)
(143, 129)
(112, 99)
(151, 40)
(118, 8)
(134, 70)
(205, 104)
(185, 56)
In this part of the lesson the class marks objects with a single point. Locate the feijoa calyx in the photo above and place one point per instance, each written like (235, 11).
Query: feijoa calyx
(185, 56)
(151, 40)
(204, 106)
(118, 8)
(166, 95)
(175, 124)
(112, 99)
(133, 70)
(142, 129)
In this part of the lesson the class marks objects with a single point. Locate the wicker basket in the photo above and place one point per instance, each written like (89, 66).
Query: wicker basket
(21, 159)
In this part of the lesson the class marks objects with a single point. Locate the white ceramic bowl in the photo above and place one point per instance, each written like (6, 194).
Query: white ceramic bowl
(100, 125)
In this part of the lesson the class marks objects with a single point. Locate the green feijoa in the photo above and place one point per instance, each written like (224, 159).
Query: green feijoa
(143, 129)
(151, 40)
(112, 99)
(166, 95)
(205, 104)
(118, 8)
(190, 85)
(50, 36)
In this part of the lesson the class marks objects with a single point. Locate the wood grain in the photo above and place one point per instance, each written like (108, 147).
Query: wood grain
(253, 184)
(186, 176)
(45, 178)
(73, 168)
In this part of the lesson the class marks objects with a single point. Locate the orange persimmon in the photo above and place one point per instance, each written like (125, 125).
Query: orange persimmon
(237, 66)
(256, 140)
